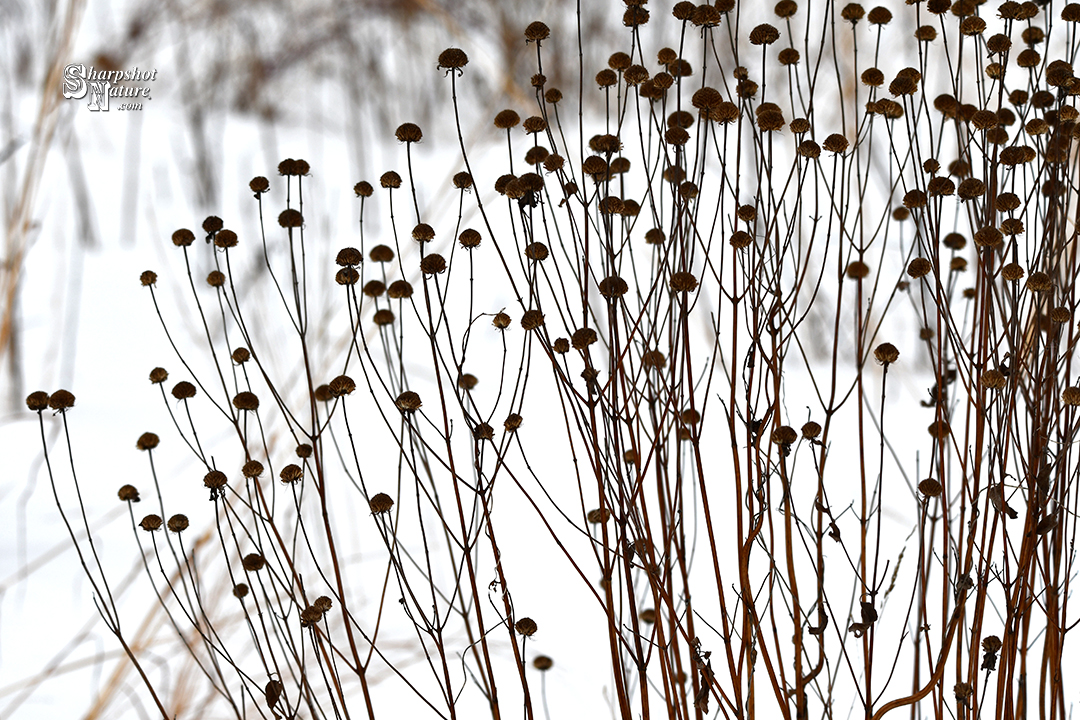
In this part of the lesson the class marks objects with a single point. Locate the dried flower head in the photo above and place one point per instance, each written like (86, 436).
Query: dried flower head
(252, 469)
(513, 422)
(291, 473)
(525, 626)
(148, 278)
(147, 441)
(408, 402)
(128, 493)
(532, 319)
(363, 189)
(469, 238)
(150, 523)
(61, 400)
(453, 59)
(253, 562)
(246, 400)
(683, 282)
(183, 237)
(347, 276)
(341, 385)
(178, 523)
(290, 218)
(381, 254)
(886, 354)
(764, 34)
(390, 180)
(349, 257)
(159, 375)
(433, 264)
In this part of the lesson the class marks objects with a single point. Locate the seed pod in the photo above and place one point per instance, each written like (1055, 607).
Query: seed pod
(150, 523)
(147, 441)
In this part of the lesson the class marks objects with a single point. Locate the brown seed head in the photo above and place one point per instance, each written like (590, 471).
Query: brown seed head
(613, 287)
(290, 218)
(857, 270)
(381, 254)
(215, 479)
(347, 276)
(512, 423)
(342, 385)
(853, 13)
(433, 264)
(61, 400)
(764, 34)
(886, 354)
(390, 180)
(408, 402)
(148, 278)
(291, 473)
(246, 400)
(150, 523)
(216, 278)
(930, 488)
(253, 562)
(183, 237)
(879, 16)
(453, 59)
(483, 431)
(225, 239)
(970, 189)
(811, 430)
(212, 224)
(240, 355)
(1071, 396)
(525, 626)
(363, 189)
(501, 320)
(836, 143)
(583, 338)
(872, 77)
(469, 238)
(423, 233)
(532, 319)
(39, 400)
(537, 251)
(147, 441)
(128, 493)
(919, 267)
(252, 469)
(178, 523)
(349, 257)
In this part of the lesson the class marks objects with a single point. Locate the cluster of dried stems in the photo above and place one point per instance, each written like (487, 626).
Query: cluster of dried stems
(693, 392)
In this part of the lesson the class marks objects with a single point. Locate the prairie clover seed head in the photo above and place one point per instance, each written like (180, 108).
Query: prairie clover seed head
(532, 319)
(363, 189)
(342, 385)
(147, 441)
(253, 562)
(61, 401)
(433, 264)
(483, 431)
(259, 185)
(453, 59)
(240, 590)
(390, 180)
(526, 626)
(561, 346)
(374, 288)
(349, 257)
(683, 282)
(211, 225)
(304, 451)
(886, 354)
(537, 31)
(423, 233)
(380, 503)
(159, 375)
(291, 473)
(183, 390)
(383, 317)
(150, 523)
(246, 400)
(512, 423)
(252, 469)
(216, 279)
(347, 276)
(37, 401)
(501, 321)
(290, 218)
(128, 493)
(400, 290)
(408, 402)
(148, 278)
(463, 180)
(381, 254)
(467, 381)
(178, 523)
(241, 355)
(183, 237)
(543, 663)
(409, 133)
(225, 239)
(215, 480)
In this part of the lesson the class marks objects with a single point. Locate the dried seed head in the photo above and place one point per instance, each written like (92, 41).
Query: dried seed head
(532, 319)
(958, 264)
(537, 251)
(390, 180)
(322, 604)
(930, 488)
(363, 189)
(613, 287)
(534, 124)
(764, 34)
(453, 59)
(879, 16)
(683, 10)
(553, 95)
(225, 239)
(501, 320)
(788, 56)
(512, 423)
(400, 290)
(381, 254)
(683, 282)
(408, 402)
(467, 381)
(1012, 272)
(919, 267)
(253, 562)
(914, 199)
(619, 61)
(676, 136)
(469, 238)
(215, 479)
(432, 264)
(148, 278)
(212, 224)
(291, 473)
(536, 155)
(973, 25)
(784, 435)
(900, 214)
(993, 379)
(542, 663)
(599, 516)
(178, 523)
(786, 8)
(583, 338)
(61, 400)
(423, 233)
(836, 143)
(809, 149)
(872, 77)
(147, 441)
(1028, 58)
(183, 237)
(1039, 282)
(347, 276)
(150, 523)
(322, 392)
(988, 236)
(374, 288)
(246, 400)
(159, 375)
(240, 590)
(183, 390)
(886, 354)
(1071, 13)
(938, 429)
(349, 257)
(740, 239)
(241, 355)
(970, 189)
(690, 416)
(653, 359)
(938, 186)
(290, 218)
(483, 431)
(1071, 396)
(409, 133)
(857, 270)
(383, 317)
(635, 15)
(811, 430)
(37, 401)
(1060, 315)
(216, 278)
(799, 126)
(635, 75)
(525, 626)
(561, 346)
(128, 493)
(926, 33)
(341, 385)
